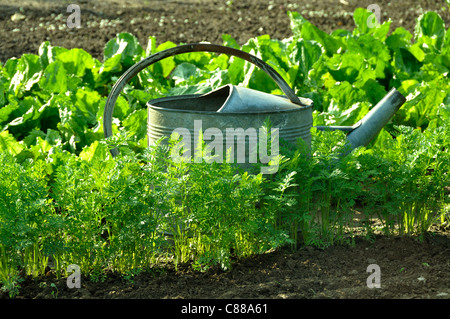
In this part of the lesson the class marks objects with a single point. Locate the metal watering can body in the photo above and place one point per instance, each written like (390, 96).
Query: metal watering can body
(237, 112)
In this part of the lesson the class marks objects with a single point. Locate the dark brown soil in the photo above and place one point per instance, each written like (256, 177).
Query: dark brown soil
(410, 268)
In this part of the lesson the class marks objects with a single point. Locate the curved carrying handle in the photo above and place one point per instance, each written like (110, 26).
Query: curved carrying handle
(195, 47)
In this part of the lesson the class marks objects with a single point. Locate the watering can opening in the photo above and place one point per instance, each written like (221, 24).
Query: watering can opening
(208, 102)
(230, 99)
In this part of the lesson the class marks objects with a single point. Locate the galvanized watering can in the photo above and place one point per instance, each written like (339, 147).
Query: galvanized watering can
(239, 110)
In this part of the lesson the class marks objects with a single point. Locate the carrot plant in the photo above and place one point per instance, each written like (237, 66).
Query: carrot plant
(213, 211)
(23, 222)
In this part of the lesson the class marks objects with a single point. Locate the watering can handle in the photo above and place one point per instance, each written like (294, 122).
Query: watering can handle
(195, 47)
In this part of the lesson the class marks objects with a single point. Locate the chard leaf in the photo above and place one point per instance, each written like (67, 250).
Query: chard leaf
(430, 25)
(31, 138)
(236, 70)
(55, 78)
(9, 144)
(76, 61)
(417, 52)
(344, 95)
(151, 46)
(346, 67)
(302, 28)
(400, 38)
(349, 116)
(374, 91)
(366, 23)
(273, 52)
(127, 45)
(376, 54)
(53, 137)
(362, 16)
(87, 105)
(28, 72)
(164, 67)
(102, 74)
(305, 54)
(94, 152)
(112, 65)
(48, 53)
(199, 59)
(2, 91)
(122, 108)
(405, 63)
(31, 111)
(10, 67)
(186, 73)
(10, 111)
(229, 41)
(136, 124)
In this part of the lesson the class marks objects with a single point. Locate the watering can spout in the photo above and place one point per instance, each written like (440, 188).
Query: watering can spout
(367, 128)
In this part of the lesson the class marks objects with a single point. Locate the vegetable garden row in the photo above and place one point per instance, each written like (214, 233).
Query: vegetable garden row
(64, 200)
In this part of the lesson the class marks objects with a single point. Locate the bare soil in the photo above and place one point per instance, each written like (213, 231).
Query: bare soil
(410, 267)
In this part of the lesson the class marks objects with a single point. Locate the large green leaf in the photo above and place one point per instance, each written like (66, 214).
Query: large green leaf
(400, 38)
(10, 111)
(94, 152)
(305, 53)
(28, 72)
(9, 144)
(48, 53)
(186, 73)
(199, 59)
(374, 91)
(375, 52)
(346, 67)
(87, 106)
(2, 91)
(343, 95)
(127, 45)
(10, 67)
(121, 108)
(424, 107)
(136, 124)
(32, 115)
(76, 61)
(165, 66)
(405, 63)
(367, 23)
(103, 74)
(231, 42)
